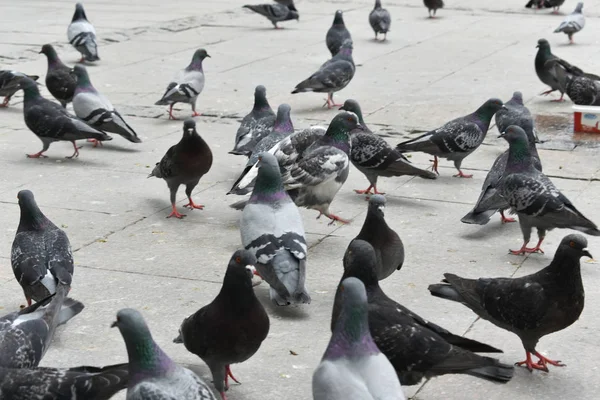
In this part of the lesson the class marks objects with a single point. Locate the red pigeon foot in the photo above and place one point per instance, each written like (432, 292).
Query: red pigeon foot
(506, 219)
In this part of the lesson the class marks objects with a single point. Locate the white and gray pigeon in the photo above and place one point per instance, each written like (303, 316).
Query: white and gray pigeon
(271, 228)
(433, 6)
(256, 125)
(337, 34)
(534, 198)
(380, 20)
(96, 110)
(573, 23)
(9, 84)
(82, 35)
(456, 139)
(352, 367)
(186, 86)
(332, 76)
(275, 13)
(152, 373)
(41, 254)
(26, 335)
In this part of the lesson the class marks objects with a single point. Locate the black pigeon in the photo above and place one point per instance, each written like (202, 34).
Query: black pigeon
(184, 164)
(41, 254)
(531, 306)
(374, 157)
(535, 4)
(514, 112)
(534, 198)
(554, 4)
(90, 383)
(231, 328)
(9, 84)
(456, 139)
(582, 88)
(337, 34)
(380, 20)
(26, 335)
(416, 347)
(276, 12)
(385, 241)
(433, 5)
(59, 80)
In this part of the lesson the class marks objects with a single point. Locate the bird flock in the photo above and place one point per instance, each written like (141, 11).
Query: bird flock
(377, 345)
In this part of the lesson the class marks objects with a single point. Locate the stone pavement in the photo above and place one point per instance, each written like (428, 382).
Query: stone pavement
(429, 71)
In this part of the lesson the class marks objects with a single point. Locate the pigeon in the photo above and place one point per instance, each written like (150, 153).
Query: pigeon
(535, 4)
(385, 241)
(51, 122)
(456, 139)
(90, 383)
(583, 90)
(332, 76)
(271, 228)
(490, 201)
(41, 254)
(337, 35)
(416, 348)
(534, 198)
(275, 12)
(231, 328)
(352, 367)
(9, 84)
(374, 157)
(186, 86)
(380, 20)
(184, 164)
(25, 335)
(59, 80)
(433, 5)
(256, 125)
(530, 306)
(555, 4)
(82, 35)
(152, 374)
(514, 112)
(573, 23)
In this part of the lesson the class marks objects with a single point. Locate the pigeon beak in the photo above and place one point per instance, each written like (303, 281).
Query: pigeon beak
(502, 135)
(342, 108)
(252, 269)
(536, 139)
(208, 55)
(360, 127)
(113, 324)
(586, 253)
(537, 46)
(381, 208)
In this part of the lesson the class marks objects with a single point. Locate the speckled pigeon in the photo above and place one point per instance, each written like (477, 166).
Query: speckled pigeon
(433, 5)
(583, 90)
(337, 34)
(352, 367)
(514, 112)
(231, 328)
(534, 198)
(275, 12)
(530, 306)
(573, 23)
(9, 84)
(184, 164)
(152, 374)
(255, 126)
(51, 123)
(374, 157)
(380, 20)
(96, 110)
(416, 347)
(59, 81)
(82, 35)
(456, 139)
(186, 86)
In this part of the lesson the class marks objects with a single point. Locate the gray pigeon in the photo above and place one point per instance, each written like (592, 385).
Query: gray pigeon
(380, 20)
(514, 112)
(534, 198)
(275, 12)
(96, 110)
(490, 201)
(184, 164)
(374, 157)
(385, 241)
(41, 254)
(256, 125)
(59, 80)
(51, 122)
(433, 5)
(271, 228)
(332, 76)
(25, 335)
(337, 34)
(90, 383)
(352, 367)
(573, 23)
(152, 374)
(186, 86)
(9, 84)
(456, 139)
(82, 35)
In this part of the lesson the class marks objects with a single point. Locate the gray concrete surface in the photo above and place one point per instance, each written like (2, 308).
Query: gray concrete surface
(429, 71)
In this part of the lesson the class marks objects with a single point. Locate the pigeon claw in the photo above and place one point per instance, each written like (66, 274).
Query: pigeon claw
(36, 155)
(368, 190)
(541, 365)
(191, 205)
(96, 142)
(175, 213)
(506, 220)
(526, 250)
(171, 112)
(228, 375)
(196, 114)
(5, 102)
(434, 166)
(334, 218)
(462, 175)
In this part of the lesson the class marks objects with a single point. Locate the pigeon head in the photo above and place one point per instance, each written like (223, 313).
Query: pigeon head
(377, 205)
(50, 53)
(293, 14)
(354, 107)
(189, 128)
(377, 4)
(260, 99)
(283, 123)
(268, 187)
(32, 217)
(517, 98)
(239, 274)
(488, 109)
(338, 19)
(29, 87)
(518, 150)
(543, 45)
(79, 13)
(196, 64)
(80, 72)
(340, 127)
(360, 262)
(579, 7)
(574, 246)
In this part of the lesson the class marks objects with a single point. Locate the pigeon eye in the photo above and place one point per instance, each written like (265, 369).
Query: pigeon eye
(572, 243)
(238, 259)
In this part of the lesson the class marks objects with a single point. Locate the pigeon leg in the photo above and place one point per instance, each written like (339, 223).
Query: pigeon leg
(191, 205)
(171, 112)
(330, 102)
(82, 59)
(547, 92)
(188, 191)
(434, 166)
(96, 142)
(194, 112)
(334, 218)
(366, 191)
(530, 365)
(175, 213)
(223, 396)
(525, 250)
(5, 102)
(40, 153)
(462, 175)
(561, 98)
(543, 361)
(571, 38)
(228, 375)
(76, 153)
(506, 219)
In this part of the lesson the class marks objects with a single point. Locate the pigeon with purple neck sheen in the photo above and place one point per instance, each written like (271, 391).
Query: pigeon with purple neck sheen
(275, 13)
(82, 35)
(152, 373)
(9, 84)
(573, 23)
(433, 6)
(232, 327)
(59, 80)
(256, 125)
(380, 20)
(337, 34)
(352, 367)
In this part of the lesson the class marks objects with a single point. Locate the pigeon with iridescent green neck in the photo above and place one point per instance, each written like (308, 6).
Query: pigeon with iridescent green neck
(152, 374)
(256, 125)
